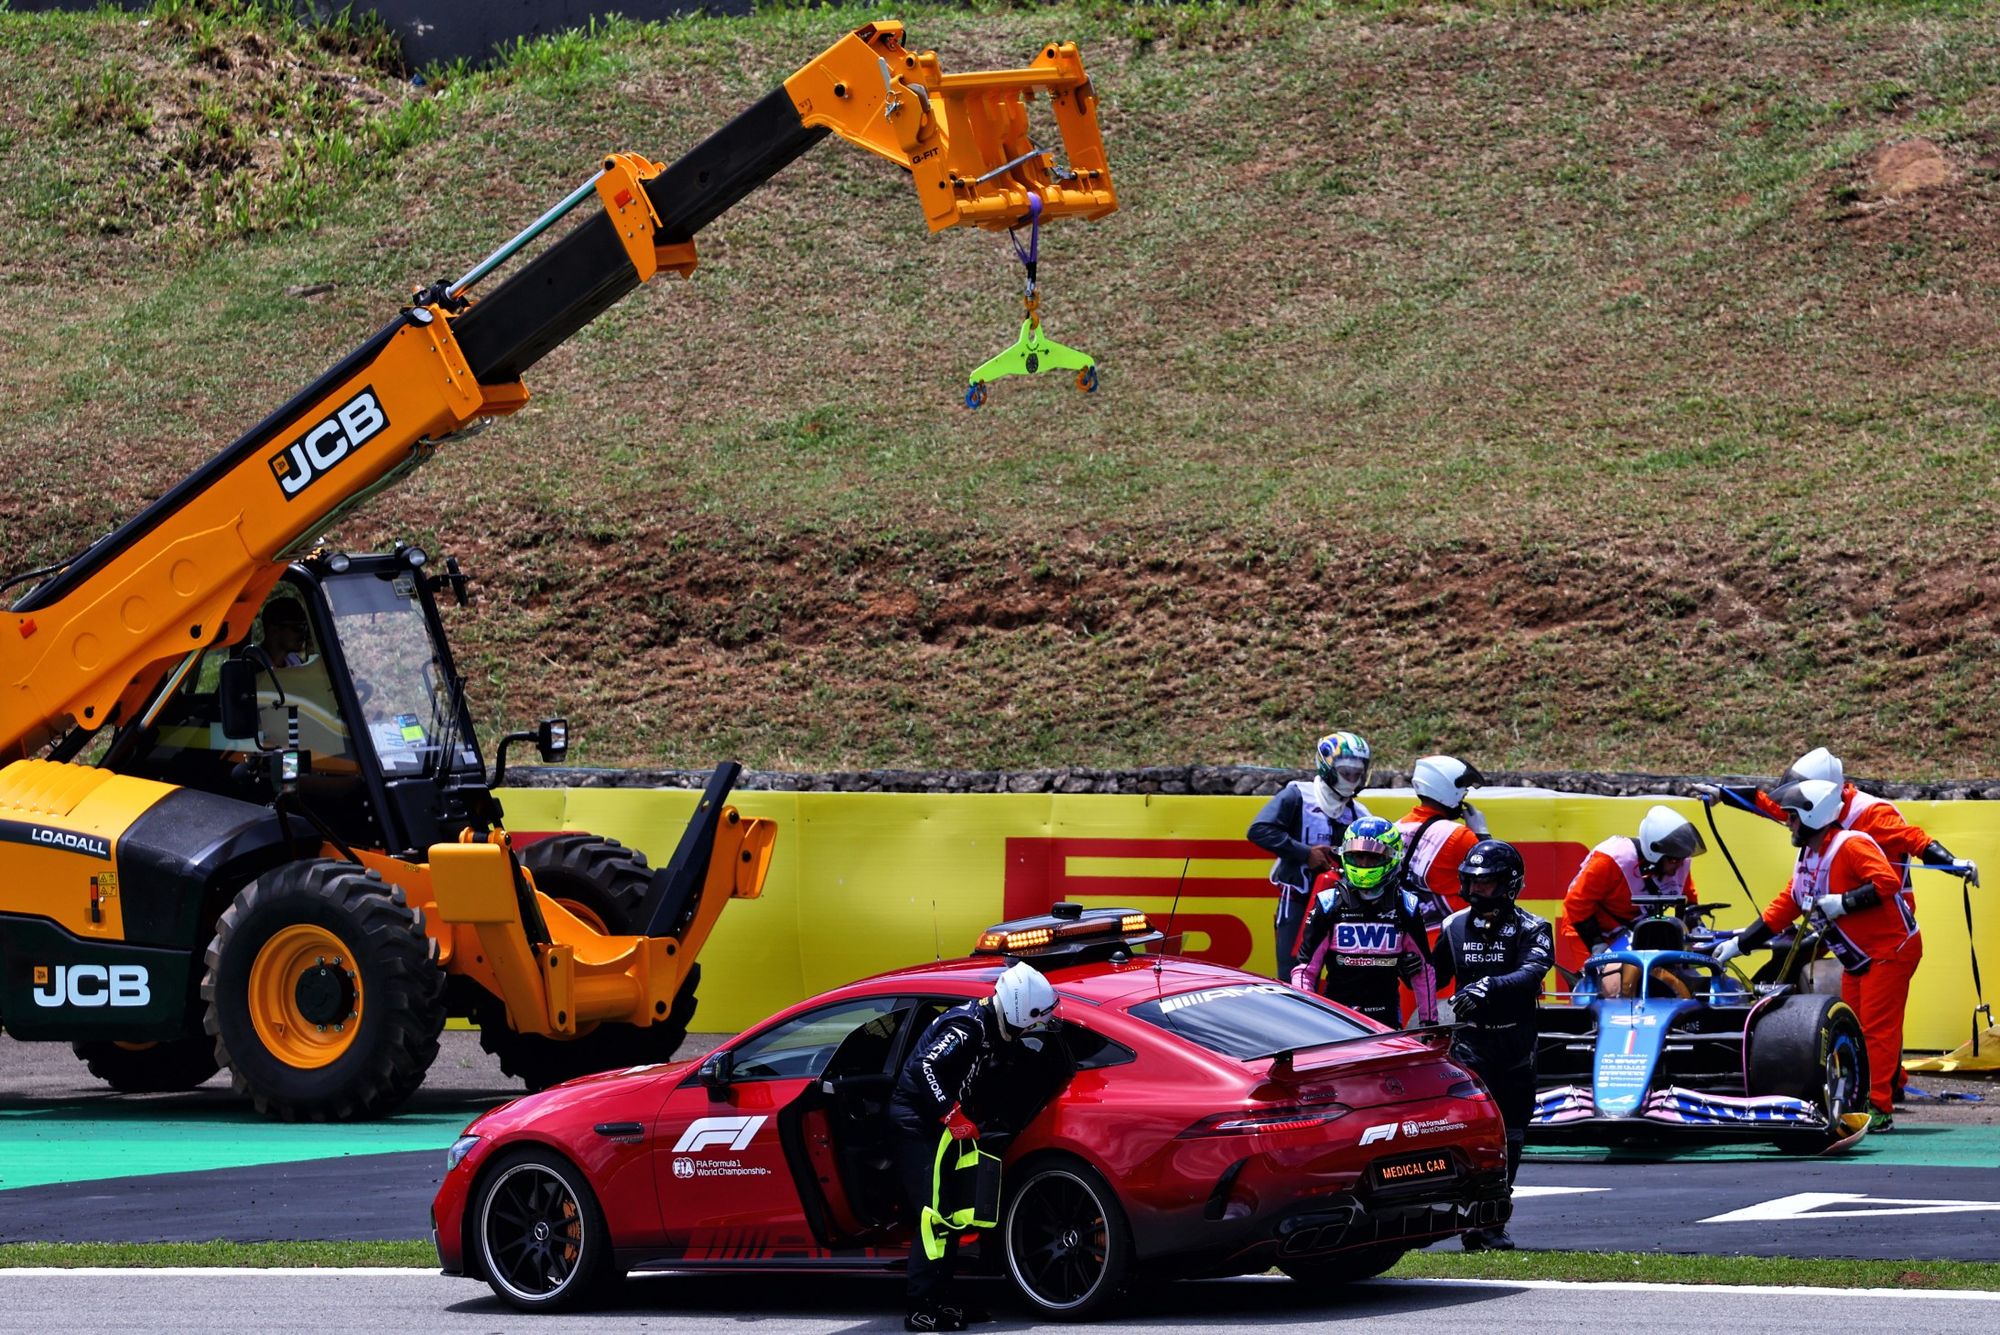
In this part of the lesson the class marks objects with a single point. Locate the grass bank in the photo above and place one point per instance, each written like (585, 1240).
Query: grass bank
(1567, 386)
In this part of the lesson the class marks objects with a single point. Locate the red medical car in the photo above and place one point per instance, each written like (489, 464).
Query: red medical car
(1217, 1123)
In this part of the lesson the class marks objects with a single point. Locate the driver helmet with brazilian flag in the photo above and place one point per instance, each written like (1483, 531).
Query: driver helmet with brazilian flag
(1341, 762)
(1369, 856)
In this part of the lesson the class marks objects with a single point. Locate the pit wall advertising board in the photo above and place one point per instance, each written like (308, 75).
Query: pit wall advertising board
(863, 882)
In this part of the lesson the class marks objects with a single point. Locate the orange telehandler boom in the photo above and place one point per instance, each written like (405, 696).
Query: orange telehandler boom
(291, 864)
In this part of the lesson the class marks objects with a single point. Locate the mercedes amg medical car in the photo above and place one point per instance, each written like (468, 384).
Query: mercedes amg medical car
(1215, 1123)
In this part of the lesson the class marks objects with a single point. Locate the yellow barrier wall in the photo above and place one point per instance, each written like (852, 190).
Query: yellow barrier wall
(863, 882)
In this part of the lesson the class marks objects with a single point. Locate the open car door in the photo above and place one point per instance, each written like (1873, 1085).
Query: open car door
(842, 1142)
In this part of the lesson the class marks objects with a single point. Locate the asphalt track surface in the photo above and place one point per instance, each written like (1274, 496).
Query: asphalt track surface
(77, 1165)
(698, 1305)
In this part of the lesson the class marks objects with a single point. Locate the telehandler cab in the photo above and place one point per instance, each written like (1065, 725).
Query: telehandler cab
(246, 822)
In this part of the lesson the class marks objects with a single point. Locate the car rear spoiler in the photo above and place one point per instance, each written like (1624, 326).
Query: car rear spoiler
(1436, 1037)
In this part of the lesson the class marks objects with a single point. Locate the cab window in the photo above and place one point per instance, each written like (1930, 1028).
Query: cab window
(186, 743)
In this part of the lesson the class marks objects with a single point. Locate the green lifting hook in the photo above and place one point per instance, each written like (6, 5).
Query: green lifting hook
(1033, 352)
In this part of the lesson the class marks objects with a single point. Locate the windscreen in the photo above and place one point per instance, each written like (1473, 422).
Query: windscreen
(1249, 1019)
(404, 695)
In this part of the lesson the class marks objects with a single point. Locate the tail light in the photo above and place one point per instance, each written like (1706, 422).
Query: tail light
(1265, 1121)
(1469, 1089)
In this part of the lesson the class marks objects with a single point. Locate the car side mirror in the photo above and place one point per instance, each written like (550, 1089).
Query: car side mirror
(715, 1071)
(552, 740)
(236, 699)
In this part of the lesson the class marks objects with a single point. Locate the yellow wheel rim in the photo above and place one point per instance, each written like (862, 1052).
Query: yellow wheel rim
(305, 996)
(577, 908)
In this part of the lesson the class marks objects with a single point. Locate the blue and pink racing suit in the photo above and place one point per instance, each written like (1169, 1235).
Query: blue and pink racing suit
(1354, 950)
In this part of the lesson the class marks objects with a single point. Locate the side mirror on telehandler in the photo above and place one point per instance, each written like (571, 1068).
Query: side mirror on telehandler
(551, 739)
(236, 699)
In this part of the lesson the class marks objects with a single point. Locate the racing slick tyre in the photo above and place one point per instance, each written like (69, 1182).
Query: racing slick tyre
(539, 1234)
(1347, 1267)
(323, 993)
(151, 1068)
(1065, 1241)
(604, 883)
(1810, 1047)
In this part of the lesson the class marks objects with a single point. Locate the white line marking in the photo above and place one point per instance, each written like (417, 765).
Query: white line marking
(1640, 1286)
(1521, 1192)
(1809, 1205)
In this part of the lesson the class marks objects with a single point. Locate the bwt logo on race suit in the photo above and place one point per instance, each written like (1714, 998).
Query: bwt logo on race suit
(308, 458)
(1367, 938)
(734, 1133)
(92, 985)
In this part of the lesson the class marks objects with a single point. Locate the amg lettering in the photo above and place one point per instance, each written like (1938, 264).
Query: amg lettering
(307, 459)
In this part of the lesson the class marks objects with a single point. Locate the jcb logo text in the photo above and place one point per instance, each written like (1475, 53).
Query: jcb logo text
(307, 459)
(93, 985)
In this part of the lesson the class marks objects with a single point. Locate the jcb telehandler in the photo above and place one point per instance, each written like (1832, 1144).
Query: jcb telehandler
(246, 823)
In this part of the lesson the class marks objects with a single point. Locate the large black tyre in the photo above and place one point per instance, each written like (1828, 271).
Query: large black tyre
(1064, 1240)
(170, 1067)
(600, 880)
(604, 883)
(1347, 1267)
(539, 1234)
(324, 997)
(1809, 1046)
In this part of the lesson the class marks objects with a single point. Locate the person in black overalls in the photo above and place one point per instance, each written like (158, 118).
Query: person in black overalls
(964, 1059)
(1499, 953)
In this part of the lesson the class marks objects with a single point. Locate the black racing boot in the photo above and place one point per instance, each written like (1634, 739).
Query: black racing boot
(933, 1318)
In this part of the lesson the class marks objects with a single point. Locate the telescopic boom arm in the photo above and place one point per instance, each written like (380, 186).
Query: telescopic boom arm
(101, 636)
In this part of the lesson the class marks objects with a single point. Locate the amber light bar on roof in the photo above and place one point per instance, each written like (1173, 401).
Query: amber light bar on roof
(1026, 940)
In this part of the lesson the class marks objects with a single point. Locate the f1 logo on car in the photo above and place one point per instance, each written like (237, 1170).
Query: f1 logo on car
(707, 1132)
(93, 985)
(1386, 1131)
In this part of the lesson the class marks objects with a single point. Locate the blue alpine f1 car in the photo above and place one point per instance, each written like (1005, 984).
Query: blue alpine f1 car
(1656, 1038)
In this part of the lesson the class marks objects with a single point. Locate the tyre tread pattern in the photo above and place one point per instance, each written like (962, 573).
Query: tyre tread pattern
(171, 1067)
(404, 987)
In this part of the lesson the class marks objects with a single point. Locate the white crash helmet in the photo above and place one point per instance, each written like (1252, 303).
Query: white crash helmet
(1816, 802)
(1665, 833)
(1818, 763)
(1444, 780)
(1024, 999)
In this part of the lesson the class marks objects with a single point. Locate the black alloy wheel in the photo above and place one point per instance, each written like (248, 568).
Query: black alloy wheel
(1066, 1242)
(542, 1238)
